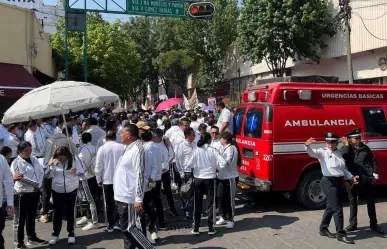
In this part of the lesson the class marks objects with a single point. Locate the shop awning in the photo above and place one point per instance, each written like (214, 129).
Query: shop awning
(15, 80)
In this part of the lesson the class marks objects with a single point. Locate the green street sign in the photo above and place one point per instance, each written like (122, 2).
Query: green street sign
(156, 8)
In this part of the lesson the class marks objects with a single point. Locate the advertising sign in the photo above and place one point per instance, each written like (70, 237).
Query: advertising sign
(26, 4)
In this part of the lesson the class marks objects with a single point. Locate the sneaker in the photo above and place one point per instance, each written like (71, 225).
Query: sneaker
(117, 228)
(230, 224)
(44, 219)
(173, 213)
(83, 221)
(221, 221)
(54, 240)
(109, 229)
(155, 237)
(21, 246)
(71, 240)
(35, 241)
(90, 226)
(195, 231)
(211, 231)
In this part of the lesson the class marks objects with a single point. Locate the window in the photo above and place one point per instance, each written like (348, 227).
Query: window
(253, 124)
(238, 118)
(375, 122)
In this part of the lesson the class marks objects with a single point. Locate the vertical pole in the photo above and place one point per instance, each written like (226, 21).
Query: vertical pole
(347, 17)
(66, 49)
(85, 50)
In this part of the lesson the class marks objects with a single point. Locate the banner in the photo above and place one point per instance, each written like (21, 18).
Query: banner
(212, 103)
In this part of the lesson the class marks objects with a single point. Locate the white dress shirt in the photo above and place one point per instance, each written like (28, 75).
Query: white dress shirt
(107, 160)
(184, 152)
(171, 131)
(12, 142)
(86, 160)
(230, 154)
(216, 144)
(332, 162)
(128, 181)
(169, 154)
(205, 160)
(32, 174)
(178, 137)
(96, 134)
(37, 140)
(6, 188)
(195, 125)
(156, 160)
(225, 116)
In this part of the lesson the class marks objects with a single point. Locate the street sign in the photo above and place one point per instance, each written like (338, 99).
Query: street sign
(76, 21)
(156, 8)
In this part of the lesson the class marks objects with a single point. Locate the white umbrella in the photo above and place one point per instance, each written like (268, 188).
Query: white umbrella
(58, 98)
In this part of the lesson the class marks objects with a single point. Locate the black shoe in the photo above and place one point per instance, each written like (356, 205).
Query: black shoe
(21, 246)
(173, 213)
(36, 241)
(328, 234)
(211, 231)
(345, 239)
(351, 228)
(378, 229)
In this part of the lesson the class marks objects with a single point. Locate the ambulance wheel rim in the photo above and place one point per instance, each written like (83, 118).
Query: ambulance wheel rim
(315, 191)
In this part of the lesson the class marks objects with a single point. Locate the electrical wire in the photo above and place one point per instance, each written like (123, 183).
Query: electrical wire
(372, 19)
(365, 26)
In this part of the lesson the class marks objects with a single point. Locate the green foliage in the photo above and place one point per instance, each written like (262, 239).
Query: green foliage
(275, 30)
(113, 60)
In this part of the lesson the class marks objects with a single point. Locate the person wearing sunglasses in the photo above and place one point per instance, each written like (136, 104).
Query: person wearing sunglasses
(28, 175)
(334, 170)
(215, 141)
(360, 161)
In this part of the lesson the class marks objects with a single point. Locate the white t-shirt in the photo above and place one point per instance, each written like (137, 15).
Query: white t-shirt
(225, 116)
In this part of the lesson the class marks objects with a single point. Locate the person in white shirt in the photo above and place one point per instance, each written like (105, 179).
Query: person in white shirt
(150, 174)
(89, 185)
(225, 122)
(205, 160)
(215, 141)
(36, 138)
(129, 188)
(107, 159)
(3, 134)
(184, 152)
(174, 128)
(29, 172)
(12, 141)
(334, 170)
(111, 125)
(227, 181)
(65, 182)
(96, 132)
(42, 132)
(194, 122)
(47, 125)
(123, 124)
(202, 128)
(6, 195)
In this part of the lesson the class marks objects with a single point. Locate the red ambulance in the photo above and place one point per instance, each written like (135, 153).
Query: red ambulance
(274, 121)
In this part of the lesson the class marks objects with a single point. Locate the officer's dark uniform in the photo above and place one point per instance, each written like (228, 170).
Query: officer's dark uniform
(334, 170)
(361, 162)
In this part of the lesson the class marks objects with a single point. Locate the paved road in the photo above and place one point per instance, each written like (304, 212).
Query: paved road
(278, 224)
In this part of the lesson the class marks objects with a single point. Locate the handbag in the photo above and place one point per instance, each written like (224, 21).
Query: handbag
(186, 189)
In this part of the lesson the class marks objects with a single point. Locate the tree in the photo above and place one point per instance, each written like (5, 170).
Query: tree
(275, 30)
(210, 41)
(174, 67)
(113, 60)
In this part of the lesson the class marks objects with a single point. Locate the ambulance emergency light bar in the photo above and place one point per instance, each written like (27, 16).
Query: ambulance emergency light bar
(262, 96)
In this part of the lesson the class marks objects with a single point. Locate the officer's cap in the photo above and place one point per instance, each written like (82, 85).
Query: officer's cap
(330, 136)
(355, 133)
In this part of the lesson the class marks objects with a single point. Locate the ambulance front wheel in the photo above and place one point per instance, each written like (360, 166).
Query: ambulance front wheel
(309, 191)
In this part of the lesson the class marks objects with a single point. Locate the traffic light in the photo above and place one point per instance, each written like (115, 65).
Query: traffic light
(201, 10)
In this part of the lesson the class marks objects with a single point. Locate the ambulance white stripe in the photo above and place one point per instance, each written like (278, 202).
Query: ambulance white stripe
(293, 148)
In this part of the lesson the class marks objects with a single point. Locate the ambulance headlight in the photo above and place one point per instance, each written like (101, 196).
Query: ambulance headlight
(305, 94)
(252, 97)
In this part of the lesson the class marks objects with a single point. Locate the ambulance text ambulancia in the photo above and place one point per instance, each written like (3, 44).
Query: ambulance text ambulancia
(274, 120)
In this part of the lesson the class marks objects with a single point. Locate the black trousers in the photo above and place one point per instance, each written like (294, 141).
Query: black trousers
(111, 209)
(2, 226)
(166, 181)
(332, 189)
(149, 209)
(133, 236)
(94, 191)
(158, 204)
(26, 205)
(365, 188)
(64, 201)
(46, 194)
(187, 204)
(226, 197)
(204, 186)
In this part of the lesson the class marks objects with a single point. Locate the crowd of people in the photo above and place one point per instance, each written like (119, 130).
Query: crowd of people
(123, 163)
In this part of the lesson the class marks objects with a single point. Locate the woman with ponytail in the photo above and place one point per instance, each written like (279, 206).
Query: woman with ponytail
(204, 162)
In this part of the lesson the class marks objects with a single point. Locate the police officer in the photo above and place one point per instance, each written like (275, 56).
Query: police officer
(360, 161)
(333, 169)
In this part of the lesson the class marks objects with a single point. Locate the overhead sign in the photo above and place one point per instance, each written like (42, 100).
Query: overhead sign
(26, 4)
(156, 8)
(76, 21)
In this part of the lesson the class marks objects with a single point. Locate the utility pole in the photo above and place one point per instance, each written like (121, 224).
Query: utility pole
(345, 14)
